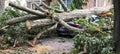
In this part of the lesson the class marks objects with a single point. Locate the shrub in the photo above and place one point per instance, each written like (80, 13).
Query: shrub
(98, 38)
(13, 31)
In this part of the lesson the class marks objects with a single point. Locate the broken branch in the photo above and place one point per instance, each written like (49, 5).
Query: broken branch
(63, 5)
(84, 49)
(39, 23)
(26, 9)
(69, 27)
(41, 9)
(22, 19)
(47, 30)
(46, 6)
(71, 15)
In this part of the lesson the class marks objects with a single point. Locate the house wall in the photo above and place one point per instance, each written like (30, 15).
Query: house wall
(54, 1)
(22, 2)
(26, 3)
(100, 3)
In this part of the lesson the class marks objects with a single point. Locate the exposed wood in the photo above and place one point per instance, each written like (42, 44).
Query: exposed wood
(63, 5)
(84, 49)
(47, 30)
(16, 43)
(33, 42)
(46, 6)
(5, 27)
(22, 19)
(26, 9)
(28, 25)
(39, 23)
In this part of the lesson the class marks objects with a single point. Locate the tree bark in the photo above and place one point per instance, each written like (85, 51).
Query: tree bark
(2, 4)
(63, 5)
(45, 31)
(39, 23)
(66, 16)
(63, 16)
(22, 19)
(117, 25)
(46, 6)
(26, 9)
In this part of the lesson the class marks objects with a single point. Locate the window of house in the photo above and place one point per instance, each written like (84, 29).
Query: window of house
(31, 6)
(67, 2)
(95, 3)
(104, 2)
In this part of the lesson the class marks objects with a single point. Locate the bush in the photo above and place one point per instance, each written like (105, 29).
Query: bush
(98, 38)
(96, 45)
(13, 31)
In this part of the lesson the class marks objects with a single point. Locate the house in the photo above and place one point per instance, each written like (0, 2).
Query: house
(48, 2)
(19, 2)
(90, 4)
(97, 3)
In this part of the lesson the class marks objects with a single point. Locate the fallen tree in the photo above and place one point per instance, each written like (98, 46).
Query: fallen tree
(65, 16)
(43, 17)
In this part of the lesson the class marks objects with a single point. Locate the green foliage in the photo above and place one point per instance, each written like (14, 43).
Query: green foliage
(17, 31)
(77, 4)
(56, 6)
(9, 13)
(14, 31)
(100, 45)
(98, 37)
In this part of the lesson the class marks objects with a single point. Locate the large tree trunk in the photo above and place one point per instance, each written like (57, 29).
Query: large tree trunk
(65, 16)
(26, 9)
(117, 25)
(22, 19)
(38, 23)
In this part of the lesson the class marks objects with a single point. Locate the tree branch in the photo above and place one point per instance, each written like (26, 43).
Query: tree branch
(41, 9)
(26, 9)
(71, 15)
(47, 30)
(22, 19)
(69, 27)
(84, 49)
(38, 23)
(63, 5)
(64, 16)
(46, 6)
